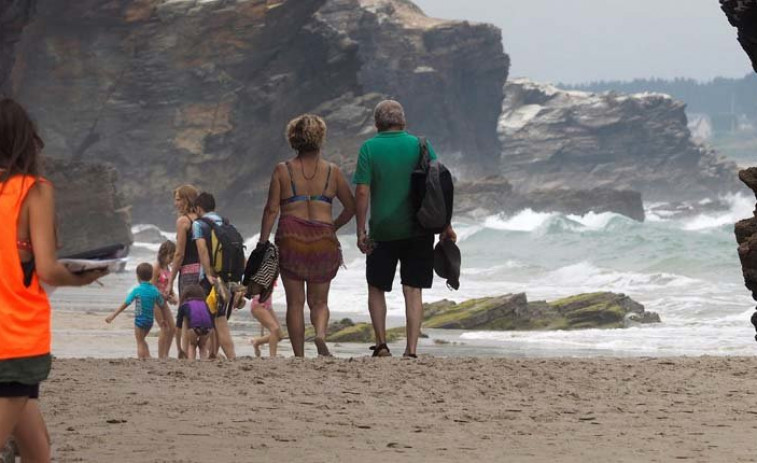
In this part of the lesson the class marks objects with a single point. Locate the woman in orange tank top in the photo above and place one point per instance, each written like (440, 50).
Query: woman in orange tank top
(27, 258)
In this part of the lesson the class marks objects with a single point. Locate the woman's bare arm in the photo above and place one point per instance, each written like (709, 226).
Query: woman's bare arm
(272, 206)
(41, 204)
(344, 193)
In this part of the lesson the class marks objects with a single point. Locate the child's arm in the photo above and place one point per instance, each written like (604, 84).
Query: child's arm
(112, 316)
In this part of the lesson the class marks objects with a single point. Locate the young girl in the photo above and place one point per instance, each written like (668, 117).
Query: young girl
(28, 248)
(197, 322)
(263, 312)
(161, 278)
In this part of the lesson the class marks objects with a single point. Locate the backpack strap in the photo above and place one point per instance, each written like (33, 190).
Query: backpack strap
(213, 252)
(425, 158)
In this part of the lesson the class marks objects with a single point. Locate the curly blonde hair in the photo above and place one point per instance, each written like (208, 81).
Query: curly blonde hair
(306, 133)
(188, 194)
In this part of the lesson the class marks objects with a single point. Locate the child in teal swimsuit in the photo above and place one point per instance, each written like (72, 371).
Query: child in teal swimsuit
(147, 297)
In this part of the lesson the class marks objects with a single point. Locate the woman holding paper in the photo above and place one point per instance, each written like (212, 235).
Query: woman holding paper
(27, 258)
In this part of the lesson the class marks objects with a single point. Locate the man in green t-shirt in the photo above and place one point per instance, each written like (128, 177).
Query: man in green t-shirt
(383, 179)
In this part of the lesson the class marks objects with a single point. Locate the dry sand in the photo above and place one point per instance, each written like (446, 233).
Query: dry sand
(397, 410)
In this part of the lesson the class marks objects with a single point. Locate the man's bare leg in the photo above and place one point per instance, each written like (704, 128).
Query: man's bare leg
(377, 309)
(414, 315)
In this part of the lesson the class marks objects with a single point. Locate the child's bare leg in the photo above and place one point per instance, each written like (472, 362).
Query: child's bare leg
(256, 342)
(191, 345)
(166, 332)
(179, 337)
(160, 320)
(143, 350)
(268, 319)
(202, 344)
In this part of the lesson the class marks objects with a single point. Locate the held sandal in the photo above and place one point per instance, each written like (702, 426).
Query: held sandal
(381, 350)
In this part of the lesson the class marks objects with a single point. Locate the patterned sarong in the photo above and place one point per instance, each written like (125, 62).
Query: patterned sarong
(308, 251)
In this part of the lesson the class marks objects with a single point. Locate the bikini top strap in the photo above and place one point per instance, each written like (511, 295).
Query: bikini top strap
(328, 178)
(291, 178)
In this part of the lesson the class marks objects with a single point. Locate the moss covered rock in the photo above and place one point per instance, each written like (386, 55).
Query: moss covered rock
(514, 312)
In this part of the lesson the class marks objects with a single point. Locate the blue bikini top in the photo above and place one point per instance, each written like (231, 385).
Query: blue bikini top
(295, 197)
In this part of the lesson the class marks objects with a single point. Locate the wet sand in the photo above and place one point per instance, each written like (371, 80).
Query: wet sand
(398, 410)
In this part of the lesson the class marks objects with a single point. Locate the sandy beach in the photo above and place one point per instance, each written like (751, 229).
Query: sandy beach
(430, 409)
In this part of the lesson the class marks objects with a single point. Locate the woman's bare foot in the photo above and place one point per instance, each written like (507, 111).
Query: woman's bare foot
(320, 345)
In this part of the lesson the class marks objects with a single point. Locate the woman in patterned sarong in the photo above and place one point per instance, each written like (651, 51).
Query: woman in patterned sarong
(302, 190)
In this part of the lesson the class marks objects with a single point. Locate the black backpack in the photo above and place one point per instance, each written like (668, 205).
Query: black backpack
(226, 249)
(432, 192)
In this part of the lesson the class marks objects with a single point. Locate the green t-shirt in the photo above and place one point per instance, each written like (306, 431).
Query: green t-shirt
(385, 163)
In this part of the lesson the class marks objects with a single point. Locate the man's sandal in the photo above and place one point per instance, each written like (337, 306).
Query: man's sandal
(381, 350)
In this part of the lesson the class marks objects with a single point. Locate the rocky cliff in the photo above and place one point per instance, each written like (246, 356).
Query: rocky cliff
(742, 14)
(14, 16)
(568, 139)
(196, 91)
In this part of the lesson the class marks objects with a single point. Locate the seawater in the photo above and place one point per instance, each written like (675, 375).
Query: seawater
(687, 270)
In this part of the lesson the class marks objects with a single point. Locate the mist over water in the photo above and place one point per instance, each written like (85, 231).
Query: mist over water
(687, 270)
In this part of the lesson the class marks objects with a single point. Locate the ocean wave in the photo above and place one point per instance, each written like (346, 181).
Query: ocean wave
(528, 220)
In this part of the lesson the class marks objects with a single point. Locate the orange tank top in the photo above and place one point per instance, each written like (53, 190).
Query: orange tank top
(24, 311)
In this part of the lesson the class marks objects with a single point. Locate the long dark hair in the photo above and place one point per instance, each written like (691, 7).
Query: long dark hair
(20, 145)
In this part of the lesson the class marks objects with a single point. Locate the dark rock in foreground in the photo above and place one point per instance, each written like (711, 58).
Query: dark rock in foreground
(746, 236)
(496, 195)
(568, 139)
(742, 14)
(513, 312)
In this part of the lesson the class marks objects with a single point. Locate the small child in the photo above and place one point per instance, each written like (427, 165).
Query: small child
(147, 297)
(161, 276)
(263, 312)
(196, 321)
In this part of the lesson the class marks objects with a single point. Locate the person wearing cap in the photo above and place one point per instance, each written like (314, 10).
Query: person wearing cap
(394, 234)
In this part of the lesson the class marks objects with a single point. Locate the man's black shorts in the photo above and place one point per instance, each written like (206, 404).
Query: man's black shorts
(416, 257)
(19, 390)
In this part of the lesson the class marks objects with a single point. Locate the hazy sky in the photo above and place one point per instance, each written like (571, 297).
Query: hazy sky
(582, 40)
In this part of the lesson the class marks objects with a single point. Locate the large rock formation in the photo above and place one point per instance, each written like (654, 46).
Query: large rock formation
(746, 237)
(568, 139)
(92, 214)
(197, 91)
(14, 16)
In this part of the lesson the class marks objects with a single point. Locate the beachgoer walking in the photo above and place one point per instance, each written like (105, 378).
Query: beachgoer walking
(147, 297)
(197, 322)
(28, 257)
(263, 313)
(303, 189)
(384, 166)
(161, 278)
(205, 205)
(186, 262)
